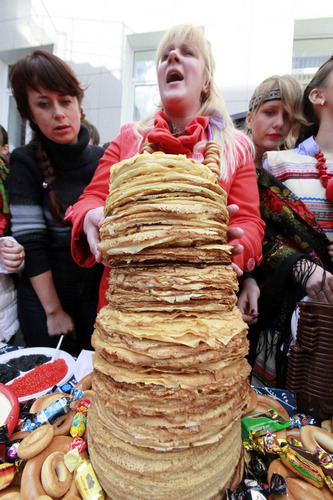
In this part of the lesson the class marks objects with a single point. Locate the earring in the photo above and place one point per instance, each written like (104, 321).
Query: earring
(322, 102)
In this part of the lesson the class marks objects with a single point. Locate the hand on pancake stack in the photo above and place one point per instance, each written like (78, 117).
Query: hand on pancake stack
(170, 375)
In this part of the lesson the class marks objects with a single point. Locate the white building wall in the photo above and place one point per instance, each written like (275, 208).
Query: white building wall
(251, 39)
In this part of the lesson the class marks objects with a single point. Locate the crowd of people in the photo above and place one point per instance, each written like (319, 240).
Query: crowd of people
(276, 172)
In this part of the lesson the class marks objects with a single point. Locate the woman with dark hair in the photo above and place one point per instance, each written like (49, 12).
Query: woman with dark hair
(55, 295)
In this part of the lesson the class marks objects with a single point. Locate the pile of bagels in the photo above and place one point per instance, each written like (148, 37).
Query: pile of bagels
(44, 475)
(310, 436)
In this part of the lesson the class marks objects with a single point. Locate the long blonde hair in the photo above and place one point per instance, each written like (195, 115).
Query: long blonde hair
(291, 94)
(234, 145)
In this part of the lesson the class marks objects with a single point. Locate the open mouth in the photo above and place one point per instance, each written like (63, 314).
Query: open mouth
(174, 77)
(61, 127)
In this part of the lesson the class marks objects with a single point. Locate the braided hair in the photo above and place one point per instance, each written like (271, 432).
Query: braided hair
(42, 69)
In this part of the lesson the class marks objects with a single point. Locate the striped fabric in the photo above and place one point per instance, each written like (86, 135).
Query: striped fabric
(300, 175)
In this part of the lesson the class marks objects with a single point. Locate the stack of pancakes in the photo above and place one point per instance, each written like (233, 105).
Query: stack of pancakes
(170, 373)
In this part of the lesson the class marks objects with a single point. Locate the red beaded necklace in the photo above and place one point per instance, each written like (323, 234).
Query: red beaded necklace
(322, 168)
(325, 179)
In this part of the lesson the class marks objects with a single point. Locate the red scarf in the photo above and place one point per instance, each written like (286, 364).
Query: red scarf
(194, 132)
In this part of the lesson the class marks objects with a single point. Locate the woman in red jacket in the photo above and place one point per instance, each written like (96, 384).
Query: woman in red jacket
(192, 112)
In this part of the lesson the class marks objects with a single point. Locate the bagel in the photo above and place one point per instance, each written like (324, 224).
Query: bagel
(63, 424)
(73, 492)
(35, 442)
(265, 402)
(278, 467)
(44, 401)
(281, 434)
(10, 493)
(87, 394)
(299, 489)
(56, 478)
(327, 425)
(19, 435)
(252, 404)
(312, 436)
(85, 382)
(293, 433)
(31, 486)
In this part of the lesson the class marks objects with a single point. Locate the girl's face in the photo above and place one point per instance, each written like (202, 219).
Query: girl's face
(182, 78)
(58, 116)
(270, 126)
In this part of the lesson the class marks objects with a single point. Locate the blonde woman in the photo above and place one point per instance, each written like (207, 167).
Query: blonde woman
(192, 112)
(275, 115)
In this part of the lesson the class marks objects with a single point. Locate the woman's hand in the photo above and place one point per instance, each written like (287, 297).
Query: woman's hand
(235, 233)
(92, 222)
(59, 323)
(315, 288)
(11, 254)
(248, 300)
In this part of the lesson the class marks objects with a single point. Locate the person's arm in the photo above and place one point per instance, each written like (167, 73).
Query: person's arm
(58, 321)
(243, 192)
(317, 282)
(85, 252)
(248, 299)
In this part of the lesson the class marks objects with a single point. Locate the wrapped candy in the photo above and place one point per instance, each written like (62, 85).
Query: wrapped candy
(261, 423)
(79, 421)
(294, 461)
(250, 489)
(79, 425)
(50, 414)
(7, 474)
(85, 477)
(300, 419)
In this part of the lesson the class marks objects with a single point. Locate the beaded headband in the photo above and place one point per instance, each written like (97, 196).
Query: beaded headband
(273, 95)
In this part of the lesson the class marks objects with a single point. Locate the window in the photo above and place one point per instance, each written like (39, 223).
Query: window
(313, 45)
(19, 131)
(140, 89)
(143, 82)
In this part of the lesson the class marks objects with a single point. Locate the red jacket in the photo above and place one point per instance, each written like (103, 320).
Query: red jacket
(241, 188)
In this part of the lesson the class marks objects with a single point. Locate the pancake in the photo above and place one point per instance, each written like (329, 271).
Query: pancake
(170, 376)
(162, 201)
(129, 471)
(184, 328)
(172, 287)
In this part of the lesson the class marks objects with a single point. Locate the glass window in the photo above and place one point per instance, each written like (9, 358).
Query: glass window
(140, 94)
(145, 100)
(144, 83)
(308, 55)
(18, 129)
(144, 65)
(313, 45)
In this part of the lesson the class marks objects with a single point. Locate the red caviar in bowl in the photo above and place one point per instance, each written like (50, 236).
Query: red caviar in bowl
(39, 379)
